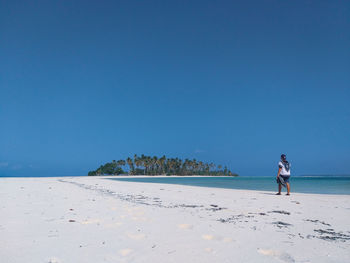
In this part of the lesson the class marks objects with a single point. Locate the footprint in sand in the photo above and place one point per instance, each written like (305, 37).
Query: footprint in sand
(138, 213)
(135, 218)
(91, 221)
(283, 256)
(208, 237)
(53, 260)
(136, 236)
(185, 226)
(125, 252)
(209, 250)
(227, 239)
(211, 237)
(116, 224)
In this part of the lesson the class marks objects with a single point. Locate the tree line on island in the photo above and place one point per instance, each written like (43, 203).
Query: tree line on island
(147, 165)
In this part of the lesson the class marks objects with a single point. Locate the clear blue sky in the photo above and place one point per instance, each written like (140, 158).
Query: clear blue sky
(233, 82)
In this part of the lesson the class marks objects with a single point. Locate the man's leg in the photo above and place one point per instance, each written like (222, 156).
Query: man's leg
(279, 189)
(288, 188)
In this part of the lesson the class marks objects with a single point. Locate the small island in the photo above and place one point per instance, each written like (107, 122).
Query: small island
(147, 165)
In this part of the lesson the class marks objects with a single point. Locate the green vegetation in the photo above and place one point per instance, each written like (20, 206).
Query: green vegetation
(147, 165)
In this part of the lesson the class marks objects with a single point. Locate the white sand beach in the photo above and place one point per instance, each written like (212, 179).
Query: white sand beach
(92, 219)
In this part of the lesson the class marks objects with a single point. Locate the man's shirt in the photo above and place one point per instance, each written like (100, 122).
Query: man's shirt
(285, 168)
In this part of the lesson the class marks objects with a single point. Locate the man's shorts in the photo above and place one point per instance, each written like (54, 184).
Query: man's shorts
(285, 178)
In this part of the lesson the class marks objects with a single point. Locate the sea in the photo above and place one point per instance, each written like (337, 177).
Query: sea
(301, 184)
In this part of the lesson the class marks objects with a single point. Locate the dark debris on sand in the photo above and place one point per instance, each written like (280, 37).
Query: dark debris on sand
(234, 218)
(317, 221)
(280, 212)
(215, 208)
(281, 224)
(331, 235)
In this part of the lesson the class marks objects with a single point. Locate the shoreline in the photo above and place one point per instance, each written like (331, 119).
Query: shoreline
(222, 187)
(298, 191)
(90, 219)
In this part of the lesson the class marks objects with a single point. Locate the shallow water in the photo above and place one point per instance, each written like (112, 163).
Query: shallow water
(312, 184)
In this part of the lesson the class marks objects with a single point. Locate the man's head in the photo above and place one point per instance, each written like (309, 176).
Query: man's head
(283, 157)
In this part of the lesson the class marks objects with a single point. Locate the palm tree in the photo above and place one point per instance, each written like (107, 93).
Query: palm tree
(135, 160)
(169, 165)
(154, 164)
(138, 161)
(120, 163)
(131, 165)
(148, 164)
(207, 169)
(212, 166)
(161, 162)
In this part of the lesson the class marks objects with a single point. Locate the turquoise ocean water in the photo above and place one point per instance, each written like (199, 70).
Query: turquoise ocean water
(301, 184)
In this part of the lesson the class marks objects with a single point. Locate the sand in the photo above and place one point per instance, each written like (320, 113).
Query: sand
(94, 219)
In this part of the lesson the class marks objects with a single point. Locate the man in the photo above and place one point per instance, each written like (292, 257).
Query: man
(283, 173)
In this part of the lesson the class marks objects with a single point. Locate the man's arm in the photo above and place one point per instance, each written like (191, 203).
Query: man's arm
(279, 171)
